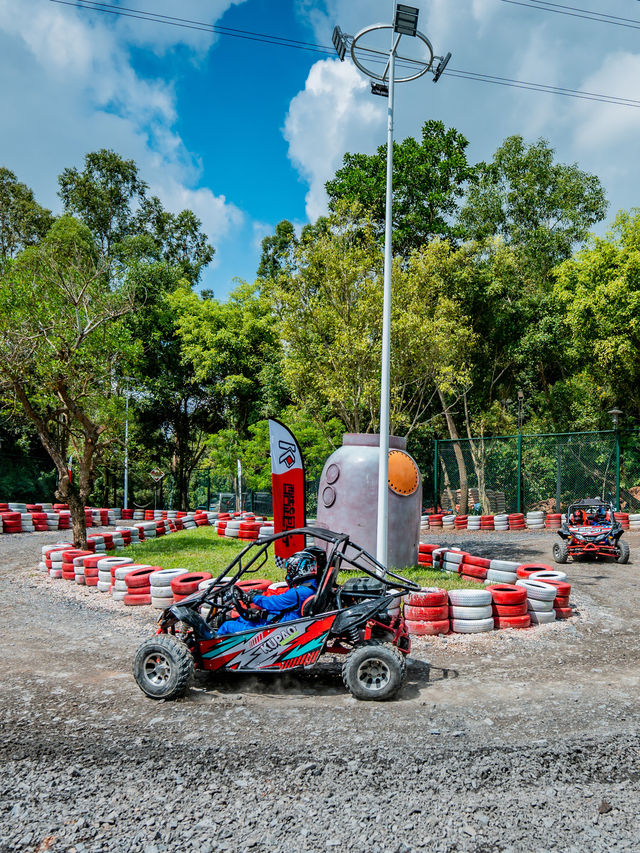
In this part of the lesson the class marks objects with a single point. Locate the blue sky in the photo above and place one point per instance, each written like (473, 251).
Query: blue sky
(246, 134)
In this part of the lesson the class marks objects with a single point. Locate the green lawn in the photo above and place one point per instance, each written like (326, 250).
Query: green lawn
(202, 550)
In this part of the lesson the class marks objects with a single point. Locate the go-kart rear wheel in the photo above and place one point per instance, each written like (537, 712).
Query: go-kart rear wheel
(374, 671)
(560, 551)
(163, 667)
(623, 551)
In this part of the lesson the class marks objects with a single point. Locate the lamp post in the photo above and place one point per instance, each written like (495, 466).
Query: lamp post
(615, 416)
(383, 83)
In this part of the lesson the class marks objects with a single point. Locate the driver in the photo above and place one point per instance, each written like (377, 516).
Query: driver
(302, 570)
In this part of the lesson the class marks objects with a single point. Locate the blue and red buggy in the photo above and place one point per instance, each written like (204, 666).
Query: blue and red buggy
(359, 618)
(591, 531)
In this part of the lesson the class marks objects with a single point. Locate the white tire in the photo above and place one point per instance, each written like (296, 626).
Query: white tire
(105, 577)
(469, 597)
(55, 573)
(541, 617)
(457, 612)
(161, 592)
(539, 606)
(164, 577)
(471, 626)
(454, 568)
(454, 557)
(161, 603)
(231, 534)
(121, 586)
(42, 567)
(538, 589)
(118, 595)
(501, 577)
(504, 566)
(548, 575)
(80, 580)
(122, 571)
(103, 586)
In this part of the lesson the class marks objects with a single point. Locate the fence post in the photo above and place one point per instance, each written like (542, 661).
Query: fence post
(559, 477)
(519, 509)
(208, 489)
(617, 469)
(435, 476)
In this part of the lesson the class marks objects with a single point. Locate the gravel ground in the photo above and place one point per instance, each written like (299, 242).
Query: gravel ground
(514, 741)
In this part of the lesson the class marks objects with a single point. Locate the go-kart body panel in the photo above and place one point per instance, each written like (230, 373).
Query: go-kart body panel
(282, 645)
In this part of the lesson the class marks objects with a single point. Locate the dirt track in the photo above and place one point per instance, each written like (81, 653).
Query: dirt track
(514, 741)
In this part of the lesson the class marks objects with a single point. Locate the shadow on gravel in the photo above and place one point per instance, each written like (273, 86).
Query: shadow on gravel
(323, 680)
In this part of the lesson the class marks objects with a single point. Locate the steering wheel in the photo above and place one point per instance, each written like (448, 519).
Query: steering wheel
(238, 601)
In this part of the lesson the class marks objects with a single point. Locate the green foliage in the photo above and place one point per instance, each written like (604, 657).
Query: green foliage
(429, 177)
(541, 207)
(599, 291)
(23, 222)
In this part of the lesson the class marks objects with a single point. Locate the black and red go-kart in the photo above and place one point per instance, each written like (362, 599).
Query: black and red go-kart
(591, 530)
(360, 618)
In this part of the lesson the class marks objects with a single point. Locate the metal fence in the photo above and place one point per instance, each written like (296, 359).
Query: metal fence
(517, 473)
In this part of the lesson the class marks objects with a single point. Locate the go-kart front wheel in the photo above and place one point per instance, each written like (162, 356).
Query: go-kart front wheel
(374, 671)
(623, 551)
(560, 551)
(163, 667)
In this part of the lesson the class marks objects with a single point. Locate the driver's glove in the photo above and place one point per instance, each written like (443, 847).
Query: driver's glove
(250, 595)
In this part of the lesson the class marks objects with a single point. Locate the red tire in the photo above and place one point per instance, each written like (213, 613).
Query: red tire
(506, 593)
(471, 578)
(136, 600)
(561, 601)
(187, 583)
(511, 621)
(428, 597)
(526, 569)
(563, 612)
(426, 614)
(69, 576)
(478, 561)
(564, 588)
(430, 629)
(91, 581)
(258, 585)
(510, 609)
(137, 577)
(472, 571)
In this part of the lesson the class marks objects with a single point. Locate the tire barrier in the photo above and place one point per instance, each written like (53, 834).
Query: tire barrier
(470, 611)
(509, 606)
(540, 598)
(187, 583)
(427, 612)
(623, 518)
(634, 521)
(535, 520)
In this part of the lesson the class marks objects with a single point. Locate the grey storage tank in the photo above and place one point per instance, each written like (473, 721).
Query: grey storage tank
(348, 496)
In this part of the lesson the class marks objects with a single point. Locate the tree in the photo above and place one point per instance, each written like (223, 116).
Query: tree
(536, 205)
(232, 349)
(329, 306)
(23, 222)
(109, 195)
(429, 177)
(62, 340)
(599, 293)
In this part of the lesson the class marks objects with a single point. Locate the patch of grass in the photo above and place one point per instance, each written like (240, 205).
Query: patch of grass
(202, 550)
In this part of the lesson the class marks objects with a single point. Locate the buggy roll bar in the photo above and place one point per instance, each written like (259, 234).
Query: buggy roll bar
(336, 556)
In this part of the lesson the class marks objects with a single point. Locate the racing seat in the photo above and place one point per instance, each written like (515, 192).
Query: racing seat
(318, 603)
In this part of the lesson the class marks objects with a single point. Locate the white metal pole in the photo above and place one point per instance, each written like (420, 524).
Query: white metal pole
(383, 465)
(126, 452)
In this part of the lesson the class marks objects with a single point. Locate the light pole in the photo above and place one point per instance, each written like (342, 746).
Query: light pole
(405, 24)
(615, 416)
(125, 502)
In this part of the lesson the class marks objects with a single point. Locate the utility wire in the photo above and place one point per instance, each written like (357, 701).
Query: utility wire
(280, 41)
(574, 12)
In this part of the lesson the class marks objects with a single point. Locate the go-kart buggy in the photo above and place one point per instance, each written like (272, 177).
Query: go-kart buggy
(591, 530)
(360, 619)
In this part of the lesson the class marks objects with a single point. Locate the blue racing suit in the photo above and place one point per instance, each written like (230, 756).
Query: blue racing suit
(281, 608)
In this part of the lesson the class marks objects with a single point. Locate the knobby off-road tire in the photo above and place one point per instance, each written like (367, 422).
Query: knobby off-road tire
(560, 552)
(623, 551)
(163, 667)
(374, 671)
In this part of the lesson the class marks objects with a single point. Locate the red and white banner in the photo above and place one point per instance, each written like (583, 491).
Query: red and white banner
(288, 482)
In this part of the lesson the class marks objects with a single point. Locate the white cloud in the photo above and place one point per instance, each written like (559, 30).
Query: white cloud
(334, 113)
(69, 87)
(599, 124)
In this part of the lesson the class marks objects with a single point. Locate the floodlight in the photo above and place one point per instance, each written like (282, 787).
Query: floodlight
(406, 20)
(379, 89)
(339, 42)
(441, 66)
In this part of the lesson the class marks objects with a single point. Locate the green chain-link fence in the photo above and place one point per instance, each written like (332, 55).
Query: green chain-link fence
(517, 473)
